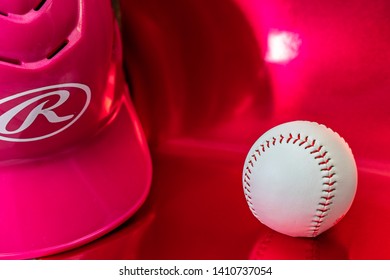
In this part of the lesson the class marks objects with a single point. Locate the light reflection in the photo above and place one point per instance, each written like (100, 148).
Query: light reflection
(282, 46)
(109, 91)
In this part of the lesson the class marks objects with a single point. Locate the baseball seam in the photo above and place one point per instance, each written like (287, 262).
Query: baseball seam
(324, 161)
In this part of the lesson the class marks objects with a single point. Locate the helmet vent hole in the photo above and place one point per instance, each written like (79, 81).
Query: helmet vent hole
(40, 5)
(58, 49)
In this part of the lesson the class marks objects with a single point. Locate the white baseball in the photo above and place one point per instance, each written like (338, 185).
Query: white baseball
(300, 178)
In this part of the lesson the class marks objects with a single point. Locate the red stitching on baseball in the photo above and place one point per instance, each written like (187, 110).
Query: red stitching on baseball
(329, 168)
(304, 141)
(328, 184)
(329, 176)
(324, 162)
(297, 139)
(323, 210)
(328, 190)
(326, 203)
(329, 197)
(311, 145)
(321, 156)
(316, 151)
(289, 138)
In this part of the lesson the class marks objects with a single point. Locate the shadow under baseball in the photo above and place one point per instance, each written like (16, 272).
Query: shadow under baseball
(272, 245)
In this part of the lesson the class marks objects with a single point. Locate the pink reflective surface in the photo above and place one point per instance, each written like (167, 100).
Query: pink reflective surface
(74, 163)
(205, 91)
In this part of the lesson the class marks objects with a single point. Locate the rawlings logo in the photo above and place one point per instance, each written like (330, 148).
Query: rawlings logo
(43, 112)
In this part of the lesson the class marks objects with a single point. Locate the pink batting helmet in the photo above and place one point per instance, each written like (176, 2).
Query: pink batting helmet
(74, 163)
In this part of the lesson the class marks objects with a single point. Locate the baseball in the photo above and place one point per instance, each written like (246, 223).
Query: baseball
(300, 178)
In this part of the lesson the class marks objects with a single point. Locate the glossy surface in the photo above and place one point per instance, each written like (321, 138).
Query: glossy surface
(19, 7)
(68, 130)
(34, 56)
(209, 77)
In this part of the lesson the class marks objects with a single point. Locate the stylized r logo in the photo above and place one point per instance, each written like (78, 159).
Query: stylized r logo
(30, 105)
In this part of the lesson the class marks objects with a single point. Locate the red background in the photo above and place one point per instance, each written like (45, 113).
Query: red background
(205, 92)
